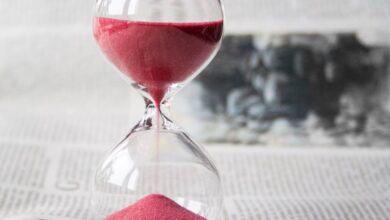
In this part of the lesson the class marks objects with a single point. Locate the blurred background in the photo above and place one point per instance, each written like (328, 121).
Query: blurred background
(291, 73)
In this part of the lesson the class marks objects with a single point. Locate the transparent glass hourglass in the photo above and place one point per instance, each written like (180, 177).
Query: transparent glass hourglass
(160, 45)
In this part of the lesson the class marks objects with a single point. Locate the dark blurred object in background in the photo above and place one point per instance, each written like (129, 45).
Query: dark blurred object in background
(331, 85)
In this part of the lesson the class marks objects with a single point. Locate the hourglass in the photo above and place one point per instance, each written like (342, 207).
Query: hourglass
(158, 172)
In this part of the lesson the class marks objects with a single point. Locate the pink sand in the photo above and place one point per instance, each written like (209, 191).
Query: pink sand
(155, 207)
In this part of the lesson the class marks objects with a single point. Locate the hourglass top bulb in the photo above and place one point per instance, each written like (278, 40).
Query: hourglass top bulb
(156, 55)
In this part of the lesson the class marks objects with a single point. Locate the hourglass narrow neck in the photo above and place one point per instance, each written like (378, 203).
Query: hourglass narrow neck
(156, 117)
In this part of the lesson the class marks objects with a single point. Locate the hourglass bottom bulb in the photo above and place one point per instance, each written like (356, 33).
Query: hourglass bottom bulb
(155, 207)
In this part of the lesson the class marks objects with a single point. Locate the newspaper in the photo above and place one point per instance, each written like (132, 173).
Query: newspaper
(51, 181)
(245, 16)
(306, 16)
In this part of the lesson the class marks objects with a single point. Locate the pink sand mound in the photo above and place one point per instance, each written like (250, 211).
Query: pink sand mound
(155, 207)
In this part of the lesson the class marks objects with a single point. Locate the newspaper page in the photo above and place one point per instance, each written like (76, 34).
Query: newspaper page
(305, 16)
(51, 181)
